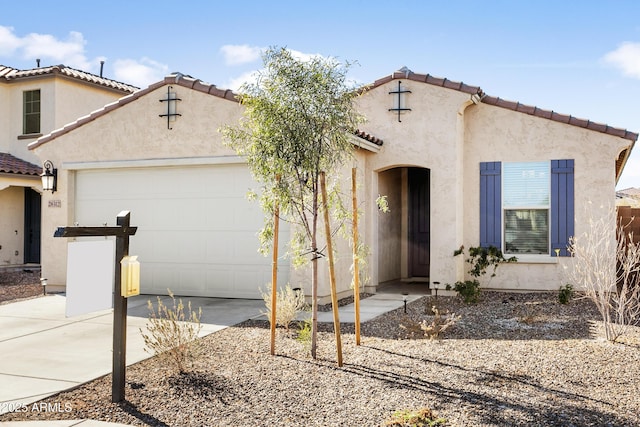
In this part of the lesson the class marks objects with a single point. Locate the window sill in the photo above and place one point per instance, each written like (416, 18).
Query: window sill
(534, 259)
(30, 136)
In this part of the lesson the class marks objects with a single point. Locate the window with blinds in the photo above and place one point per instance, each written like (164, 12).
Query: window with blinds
(526, 196)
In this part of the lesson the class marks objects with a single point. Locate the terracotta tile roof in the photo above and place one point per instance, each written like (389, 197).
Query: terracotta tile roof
(407, 74)
(173, 79)
(8, 74)
(14, 165)
(367, 137)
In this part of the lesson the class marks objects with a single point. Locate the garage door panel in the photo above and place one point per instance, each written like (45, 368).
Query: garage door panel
(197, 232)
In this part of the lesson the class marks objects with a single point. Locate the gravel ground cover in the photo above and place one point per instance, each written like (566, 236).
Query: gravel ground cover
(19, 284)
(511, 360)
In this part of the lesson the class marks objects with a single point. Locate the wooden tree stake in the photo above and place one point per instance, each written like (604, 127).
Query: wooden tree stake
(356, 269)
(274, 273)
(332, 275)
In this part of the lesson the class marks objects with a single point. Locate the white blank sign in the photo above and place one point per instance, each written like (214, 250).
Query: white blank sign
(90, 276)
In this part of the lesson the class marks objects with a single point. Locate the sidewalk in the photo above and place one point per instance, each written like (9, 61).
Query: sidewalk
(43, 352)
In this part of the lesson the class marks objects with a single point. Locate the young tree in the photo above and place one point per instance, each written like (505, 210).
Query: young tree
(298, 118)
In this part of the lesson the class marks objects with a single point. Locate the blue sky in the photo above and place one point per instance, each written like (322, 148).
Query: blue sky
(574, 57)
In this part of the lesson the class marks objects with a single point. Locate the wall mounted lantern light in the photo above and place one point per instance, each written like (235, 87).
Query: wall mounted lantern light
(49, 177)
(400, 101)
(171, 100)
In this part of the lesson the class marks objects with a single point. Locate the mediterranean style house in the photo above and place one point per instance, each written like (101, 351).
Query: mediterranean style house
(34, 103)
(458, 167)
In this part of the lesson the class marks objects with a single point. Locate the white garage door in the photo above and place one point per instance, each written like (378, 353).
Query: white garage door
(197, 233)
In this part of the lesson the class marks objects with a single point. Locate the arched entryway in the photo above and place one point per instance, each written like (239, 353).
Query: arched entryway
(404, 232)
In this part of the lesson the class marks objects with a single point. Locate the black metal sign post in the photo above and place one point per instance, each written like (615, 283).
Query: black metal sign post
(122, 232)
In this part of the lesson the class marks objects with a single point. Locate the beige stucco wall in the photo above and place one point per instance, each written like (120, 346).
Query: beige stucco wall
(126, 135)
(390, 226)
(5, 118)
(63, 100)
(497, 134)
(450, 135)
(427, 137)
(11, 225)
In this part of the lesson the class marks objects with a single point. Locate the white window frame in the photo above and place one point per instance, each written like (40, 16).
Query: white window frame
(543, 257)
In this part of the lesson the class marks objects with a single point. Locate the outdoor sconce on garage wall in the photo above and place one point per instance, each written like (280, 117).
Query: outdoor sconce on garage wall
(49, 177)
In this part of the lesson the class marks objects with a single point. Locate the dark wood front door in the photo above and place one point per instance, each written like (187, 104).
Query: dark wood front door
(419, 223)
(31, 226)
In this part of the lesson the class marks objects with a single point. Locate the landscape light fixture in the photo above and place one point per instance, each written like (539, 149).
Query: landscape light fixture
(49, 177)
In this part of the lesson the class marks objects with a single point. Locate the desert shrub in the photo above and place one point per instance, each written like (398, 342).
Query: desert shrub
(606, 269)
(469, 290)
(171, 334)
(565, 295)
(439, 324)
(304, 334)
(479, 259)
(434, 329)
(289, 302)
(423, 417)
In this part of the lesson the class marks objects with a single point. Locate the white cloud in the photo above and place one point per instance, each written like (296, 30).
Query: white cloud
(627, 58)
(71, 52)
(240, 54)
(46, 47)
(140, 73)
(251, 76)
(9, 43)
(235, 83)
(300, 56)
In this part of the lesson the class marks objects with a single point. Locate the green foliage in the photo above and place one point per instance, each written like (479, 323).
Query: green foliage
(469, 290)
(289, 303)
(383, 204)
(482, 258)
(304, 334)
(298, 119)
(565, 295)
(423, 417)
(171, 334)
(479, 259)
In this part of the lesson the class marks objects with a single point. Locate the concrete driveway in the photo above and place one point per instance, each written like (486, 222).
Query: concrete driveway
(43, 352)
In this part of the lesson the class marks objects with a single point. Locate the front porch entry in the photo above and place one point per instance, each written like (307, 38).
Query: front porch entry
(404, 232)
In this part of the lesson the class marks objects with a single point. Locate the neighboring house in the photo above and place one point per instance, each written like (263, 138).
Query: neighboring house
(458, 168)
(33, 103)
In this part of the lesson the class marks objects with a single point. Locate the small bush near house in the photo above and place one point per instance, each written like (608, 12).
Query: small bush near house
(469, 290)
(417, 418)
(480, 259)
(289, 303)
(565, 295)
(171, 334)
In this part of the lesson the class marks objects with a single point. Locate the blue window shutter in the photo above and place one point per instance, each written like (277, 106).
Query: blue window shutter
(562, 205)
(490, 205)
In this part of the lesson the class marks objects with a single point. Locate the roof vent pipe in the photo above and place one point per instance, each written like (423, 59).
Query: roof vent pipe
(101, 67)
(38, 62)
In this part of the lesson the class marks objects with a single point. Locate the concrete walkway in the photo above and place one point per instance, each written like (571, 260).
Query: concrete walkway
(43, 352)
